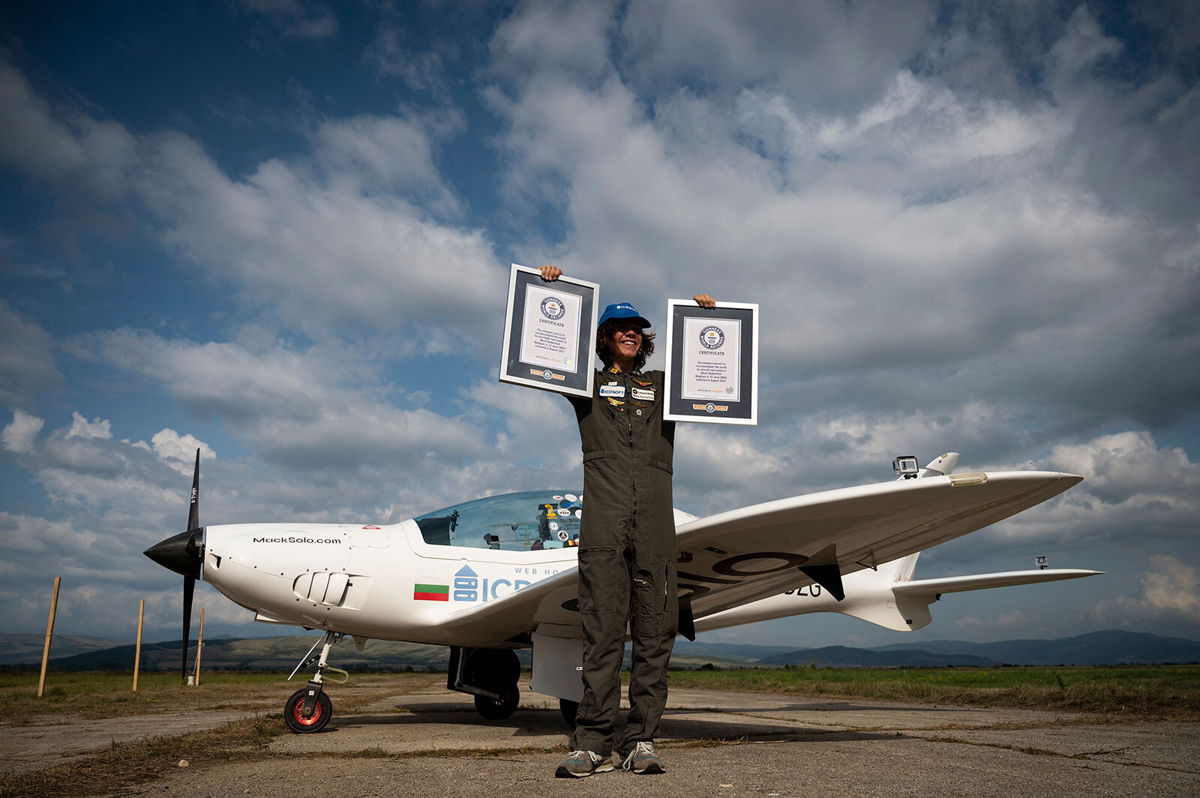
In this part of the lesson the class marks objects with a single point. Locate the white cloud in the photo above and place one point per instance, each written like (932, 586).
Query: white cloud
(1136, 498)
(1129, 472)
(19, 435)
(329, 252)
(922, 242)
(1082, 45)
(27, 367)
(170, 445)
(315, 405)
(1175, 587)
(827, 55)
(385, 153)
(82, 428)
(341, 237)
(1171, 590)
(33, 140)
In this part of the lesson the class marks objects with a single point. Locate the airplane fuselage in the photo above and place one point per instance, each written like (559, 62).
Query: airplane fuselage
(373, 581)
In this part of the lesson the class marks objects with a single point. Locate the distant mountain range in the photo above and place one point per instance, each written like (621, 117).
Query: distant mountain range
(282, 653)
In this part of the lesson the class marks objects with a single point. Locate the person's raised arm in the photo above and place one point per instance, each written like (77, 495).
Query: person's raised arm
(703, 300)
(550, 273)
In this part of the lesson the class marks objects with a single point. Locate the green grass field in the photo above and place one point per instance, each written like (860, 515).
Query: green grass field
(108, 694)
(1164, 690)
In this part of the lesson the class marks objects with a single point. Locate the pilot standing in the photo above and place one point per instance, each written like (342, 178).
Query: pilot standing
(626, 547)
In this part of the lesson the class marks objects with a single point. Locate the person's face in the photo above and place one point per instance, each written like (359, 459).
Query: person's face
(625, 342)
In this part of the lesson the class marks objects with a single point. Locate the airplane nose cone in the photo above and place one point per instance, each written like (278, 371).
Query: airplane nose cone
(180, 553)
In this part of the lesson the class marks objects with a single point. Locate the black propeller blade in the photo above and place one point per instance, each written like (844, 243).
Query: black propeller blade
(194, 504)
(189, 581)
(183, 554)
(189, 589)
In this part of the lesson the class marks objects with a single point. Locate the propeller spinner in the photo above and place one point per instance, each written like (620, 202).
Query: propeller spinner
(184, 554)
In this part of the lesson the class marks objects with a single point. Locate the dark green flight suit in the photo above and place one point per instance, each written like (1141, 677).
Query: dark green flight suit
(626, 556)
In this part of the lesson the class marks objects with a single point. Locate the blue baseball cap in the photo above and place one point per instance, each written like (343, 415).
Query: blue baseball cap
(622, 310)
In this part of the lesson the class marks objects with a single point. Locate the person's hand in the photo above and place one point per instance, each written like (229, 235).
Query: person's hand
(550, 273)
(703, 300)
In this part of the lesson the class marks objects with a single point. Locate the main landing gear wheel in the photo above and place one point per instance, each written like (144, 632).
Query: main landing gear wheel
(293, 713)
(492, 709)
(569, 710)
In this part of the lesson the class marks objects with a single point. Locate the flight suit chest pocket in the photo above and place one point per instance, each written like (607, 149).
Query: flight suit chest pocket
(644, 397)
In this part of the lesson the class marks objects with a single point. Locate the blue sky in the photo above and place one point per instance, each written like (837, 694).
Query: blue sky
(281, 231)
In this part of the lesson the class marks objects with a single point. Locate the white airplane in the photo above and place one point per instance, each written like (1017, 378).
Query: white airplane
(497, 574)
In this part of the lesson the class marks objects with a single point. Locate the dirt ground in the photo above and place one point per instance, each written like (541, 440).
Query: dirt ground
(413, 737)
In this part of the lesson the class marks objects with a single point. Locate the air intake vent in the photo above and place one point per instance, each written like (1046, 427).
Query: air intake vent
(322, 587)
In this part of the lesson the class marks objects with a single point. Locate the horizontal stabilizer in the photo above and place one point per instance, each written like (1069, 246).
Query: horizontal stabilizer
(912, 599)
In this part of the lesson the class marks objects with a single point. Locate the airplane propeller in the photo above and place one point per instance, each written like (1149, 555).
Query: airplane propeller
(184, 554)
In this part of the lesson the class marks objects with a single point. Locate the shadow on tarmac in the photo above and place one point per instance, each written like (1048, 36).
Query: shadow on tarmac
(722, 725)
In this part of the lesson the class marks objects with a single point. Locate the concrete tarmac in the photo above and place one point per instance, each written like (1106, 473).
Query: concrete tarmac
(732, 744)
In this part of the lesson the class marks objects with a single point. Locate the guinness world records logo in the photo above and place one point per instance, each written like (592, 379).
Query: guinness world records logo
(712, 337)
(553, 308)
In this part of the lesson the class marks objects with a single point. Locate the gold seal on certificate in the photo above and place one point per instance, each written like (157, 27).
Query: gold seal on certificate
(712, 363)
(549, 333)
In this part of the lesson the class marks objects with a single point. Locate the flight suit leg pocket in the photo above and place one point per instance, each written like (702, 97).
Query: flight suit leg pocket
(603, 581)
(655, 599)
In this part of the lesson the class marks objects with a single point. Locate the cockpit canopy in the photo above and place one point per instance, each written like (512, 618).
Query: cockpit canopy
(529, 521)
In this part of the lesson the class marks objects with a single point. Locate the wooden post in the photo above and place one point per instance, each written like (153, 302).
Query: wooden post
(137, 651)
(199, 646)
(49, 635)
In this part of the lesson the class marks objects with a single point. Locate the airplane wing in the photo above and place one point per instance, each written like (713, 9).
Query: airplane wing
(958, 584)
(735, 557)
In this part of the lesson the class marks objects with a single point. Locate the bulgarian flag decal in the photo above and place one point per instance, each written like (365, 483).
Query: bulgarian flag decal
(431, 592)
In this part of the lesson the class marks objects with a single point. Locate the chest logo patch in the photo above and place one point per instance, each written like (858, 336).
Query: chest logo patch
(645, 395)
(612, 391)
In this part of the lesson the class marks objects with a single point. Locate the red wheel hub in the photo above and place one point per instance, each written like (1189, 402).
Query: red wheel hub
(298, 713)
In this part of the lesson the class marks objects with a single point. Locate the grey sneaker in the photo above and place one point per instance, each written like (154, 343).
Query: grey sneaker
(642, 759)
(583, 763)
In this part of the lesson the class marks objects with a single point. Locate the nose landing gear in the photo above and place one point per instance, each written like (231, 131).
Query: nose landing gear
(308, 710)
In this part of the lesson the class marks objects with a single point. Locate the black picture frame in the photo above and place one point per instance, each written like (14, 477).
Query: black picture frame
(521, 359)
(733, 398)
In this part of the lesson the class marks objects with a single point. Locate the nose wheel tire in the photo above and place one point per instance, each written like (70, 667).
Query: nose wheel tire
(492, 709)
(293, 713)
(569, 710)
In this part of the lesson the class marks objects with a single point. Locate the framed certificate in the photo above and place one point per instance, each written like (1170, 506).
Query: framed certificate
(549, 332)
(712, 362)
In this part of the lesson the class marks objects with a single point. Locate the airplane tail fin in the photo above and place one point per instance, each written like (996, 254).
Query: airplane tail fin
(884, 605)
(903, 568)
